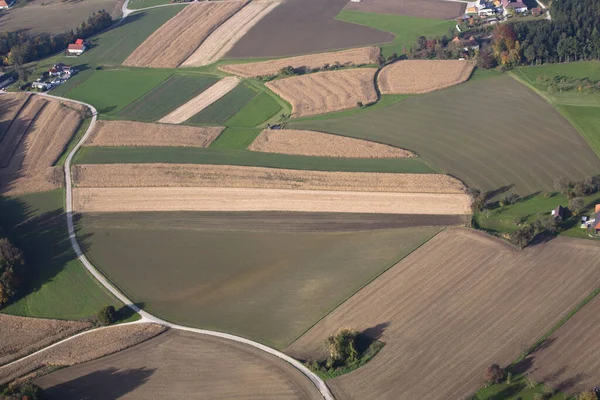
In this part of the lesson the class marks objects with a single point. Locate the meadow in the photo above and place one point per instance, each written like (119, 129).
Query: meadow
(224, 108)
(235, 138)
(493, 133)
(276, 284)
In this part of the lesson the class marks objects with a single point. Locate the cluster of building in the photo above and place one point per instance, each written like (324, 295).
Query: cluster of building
(487, 8)
(58, 74)
(6, 4)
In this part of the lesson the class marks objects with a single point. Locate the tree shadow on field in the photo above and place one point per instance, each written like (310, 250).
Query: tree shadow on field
(370, 335)
(109, 383)
(127, 312)
(508, 392)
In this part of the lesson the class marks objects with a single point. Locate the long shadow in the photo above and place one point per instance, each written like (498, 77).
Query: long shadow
(106, 384)
(369, 336)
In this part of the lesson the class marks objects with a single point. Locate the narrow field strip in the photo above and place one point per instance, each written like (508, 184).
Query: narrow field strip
(200, 102)
(229, 33)
(422, 76)
(10, 106)
(253, 199)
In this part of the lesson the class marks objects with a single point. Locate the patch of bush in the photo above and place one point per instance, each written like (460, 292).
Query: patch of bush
(107, 315)
(493, 374)
(12, 265)
(22, 391)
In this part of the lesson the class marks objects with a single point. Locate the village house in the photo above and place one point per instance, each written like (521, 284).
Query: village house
(593, 224)
(39, 84)
(517, 6)
(5, 4)
(76, 48)
(61, 69)
(558, 214)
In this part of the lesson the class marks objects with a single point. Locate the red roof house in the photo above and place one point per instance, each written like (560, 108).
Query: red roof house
(76, 48)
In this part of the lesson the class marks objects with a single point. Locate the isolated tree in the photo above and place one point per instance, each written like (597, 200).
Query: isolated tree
(342, 347)
(493, 374)
(107, 315)
(522, 236)
(580, 189)
(576, 205)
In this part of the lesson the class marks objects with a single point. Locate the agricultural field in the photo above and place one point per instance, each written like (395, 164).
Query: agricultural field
(414, 8)
(309, 143)
(301, 27)
(473, 312)
(175, 41)
(327, 91)
(256, 112)
(224, 108)
(166, 97)
(280, 280)
(445, 129)
(10, 106)
(127, 133)
(235, 138)
(160, 368)
(422, 76)
(137, 4)
(351, 57)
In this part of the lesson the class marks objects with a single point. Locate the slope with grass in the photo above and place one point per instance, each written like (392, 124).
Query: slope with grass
(224, 108)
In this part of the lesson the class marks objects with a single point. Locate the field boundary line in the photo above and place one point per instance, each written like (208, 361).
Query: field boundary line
(147, 317)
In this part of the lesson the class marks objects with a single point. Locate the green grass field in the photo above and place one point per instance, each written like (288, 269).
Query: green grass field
(407, 29)
(224, 108)
(235, 138)
(275, 285)
(57, 285)
(215, 156)
(258, 110)
(137, 4)
(491, 133)
(112, 90)
(172, 93)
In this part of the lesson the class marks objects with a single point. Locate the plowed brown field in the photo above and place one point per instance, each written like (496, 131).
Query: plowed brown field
(328, 91)
(176, 40)
(422, 76)
(310, 143)
(415, 8)
(10, 105)
(460, 302)
(352, 57)
(227, 35)
(186, 175)
(127, 133)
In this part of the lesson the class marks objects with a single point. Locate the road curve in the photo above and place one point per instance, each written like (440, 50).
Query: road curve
(147, 317)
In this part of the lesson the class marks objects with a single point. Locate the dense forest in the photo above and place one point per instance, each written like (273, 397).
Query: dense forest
(19, 48)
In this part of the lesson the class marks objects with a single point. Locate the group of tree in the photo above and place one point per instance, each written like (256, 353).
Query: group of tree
(18, 48)
(21, 391)
(12, 265)
(556, 84)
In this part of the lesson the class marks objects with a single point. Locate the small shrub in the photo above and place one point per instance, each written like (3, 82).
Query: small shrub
(359, 104)
(576, 205)
(587, 395)
(493, 374)
(107, 315)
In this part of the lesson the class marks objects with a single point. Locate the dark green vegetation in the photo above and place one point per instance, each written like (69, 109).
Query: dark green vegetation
(262, 107)
(494, 134)
(56, 284)
(12, 270)
(269, 284)
(407, 29)
(235, 138)
(111, 90)
(166, 97)
(224, 108)
(216, 156)
(107, 315)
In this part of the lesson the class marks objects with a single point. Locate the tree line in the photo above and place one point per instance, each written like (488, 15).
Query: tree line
(12, 266)
(18, 48)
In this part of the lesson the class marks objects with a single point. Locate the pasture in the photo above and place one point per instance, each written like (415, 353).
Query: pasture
(274, 286)
(459, 303)
(224, 108)
(459, 131)
(166, 97)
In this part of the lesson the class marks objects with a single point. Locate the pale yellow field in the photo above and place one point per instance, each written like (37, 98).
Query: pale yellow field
(328, 91)
(309, 143)
(352, 57)
(459, 303)
(422, 76)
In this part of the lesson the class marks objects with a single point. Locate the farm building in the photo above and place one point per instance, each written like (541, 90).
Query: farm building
(4, 4)
(76, 48)
(593, 224)
(60, 69)
(517, 6)
(558, 213)
(42, 85)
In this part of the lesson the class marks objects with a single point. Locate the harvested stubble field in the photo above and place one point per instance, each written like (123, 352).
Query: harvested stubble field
(86, 347)
(186, 175)
(202, 101)
(126, 133)
(10, 105)
(356, 57)
(284, 275)
(415, 8)
(177, 39)
(309, 143)
(460, 131)
(327, 91)
(182, 365)
(422, 76)
(20, 336)
(459, 303)
(229, 33)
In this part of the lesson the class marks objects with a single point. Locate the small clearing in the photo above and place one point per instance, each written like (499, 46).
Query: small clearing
(422, 76)
(126, 133)
(459, 303)
(229, 33)
(200, 102)
(20, 336)
(327, 91)
(310, 143)
(351, 57)
(86, 347)
(415, 8)
(188, 175)
(177, 39)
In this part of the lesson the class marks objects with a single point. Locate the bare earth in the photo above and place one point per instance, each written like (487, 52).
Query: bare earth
(310, 143)
(187, 175)
(20, 336)
(127, 133)
(460, 302)
(182, 365)
(229, 33)
(10, 105)
(422, 76)
(328, 91)
(251, 199)
(415, 8)
(352, 57)
(83, 348)
(176, 40)
(200, 102)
